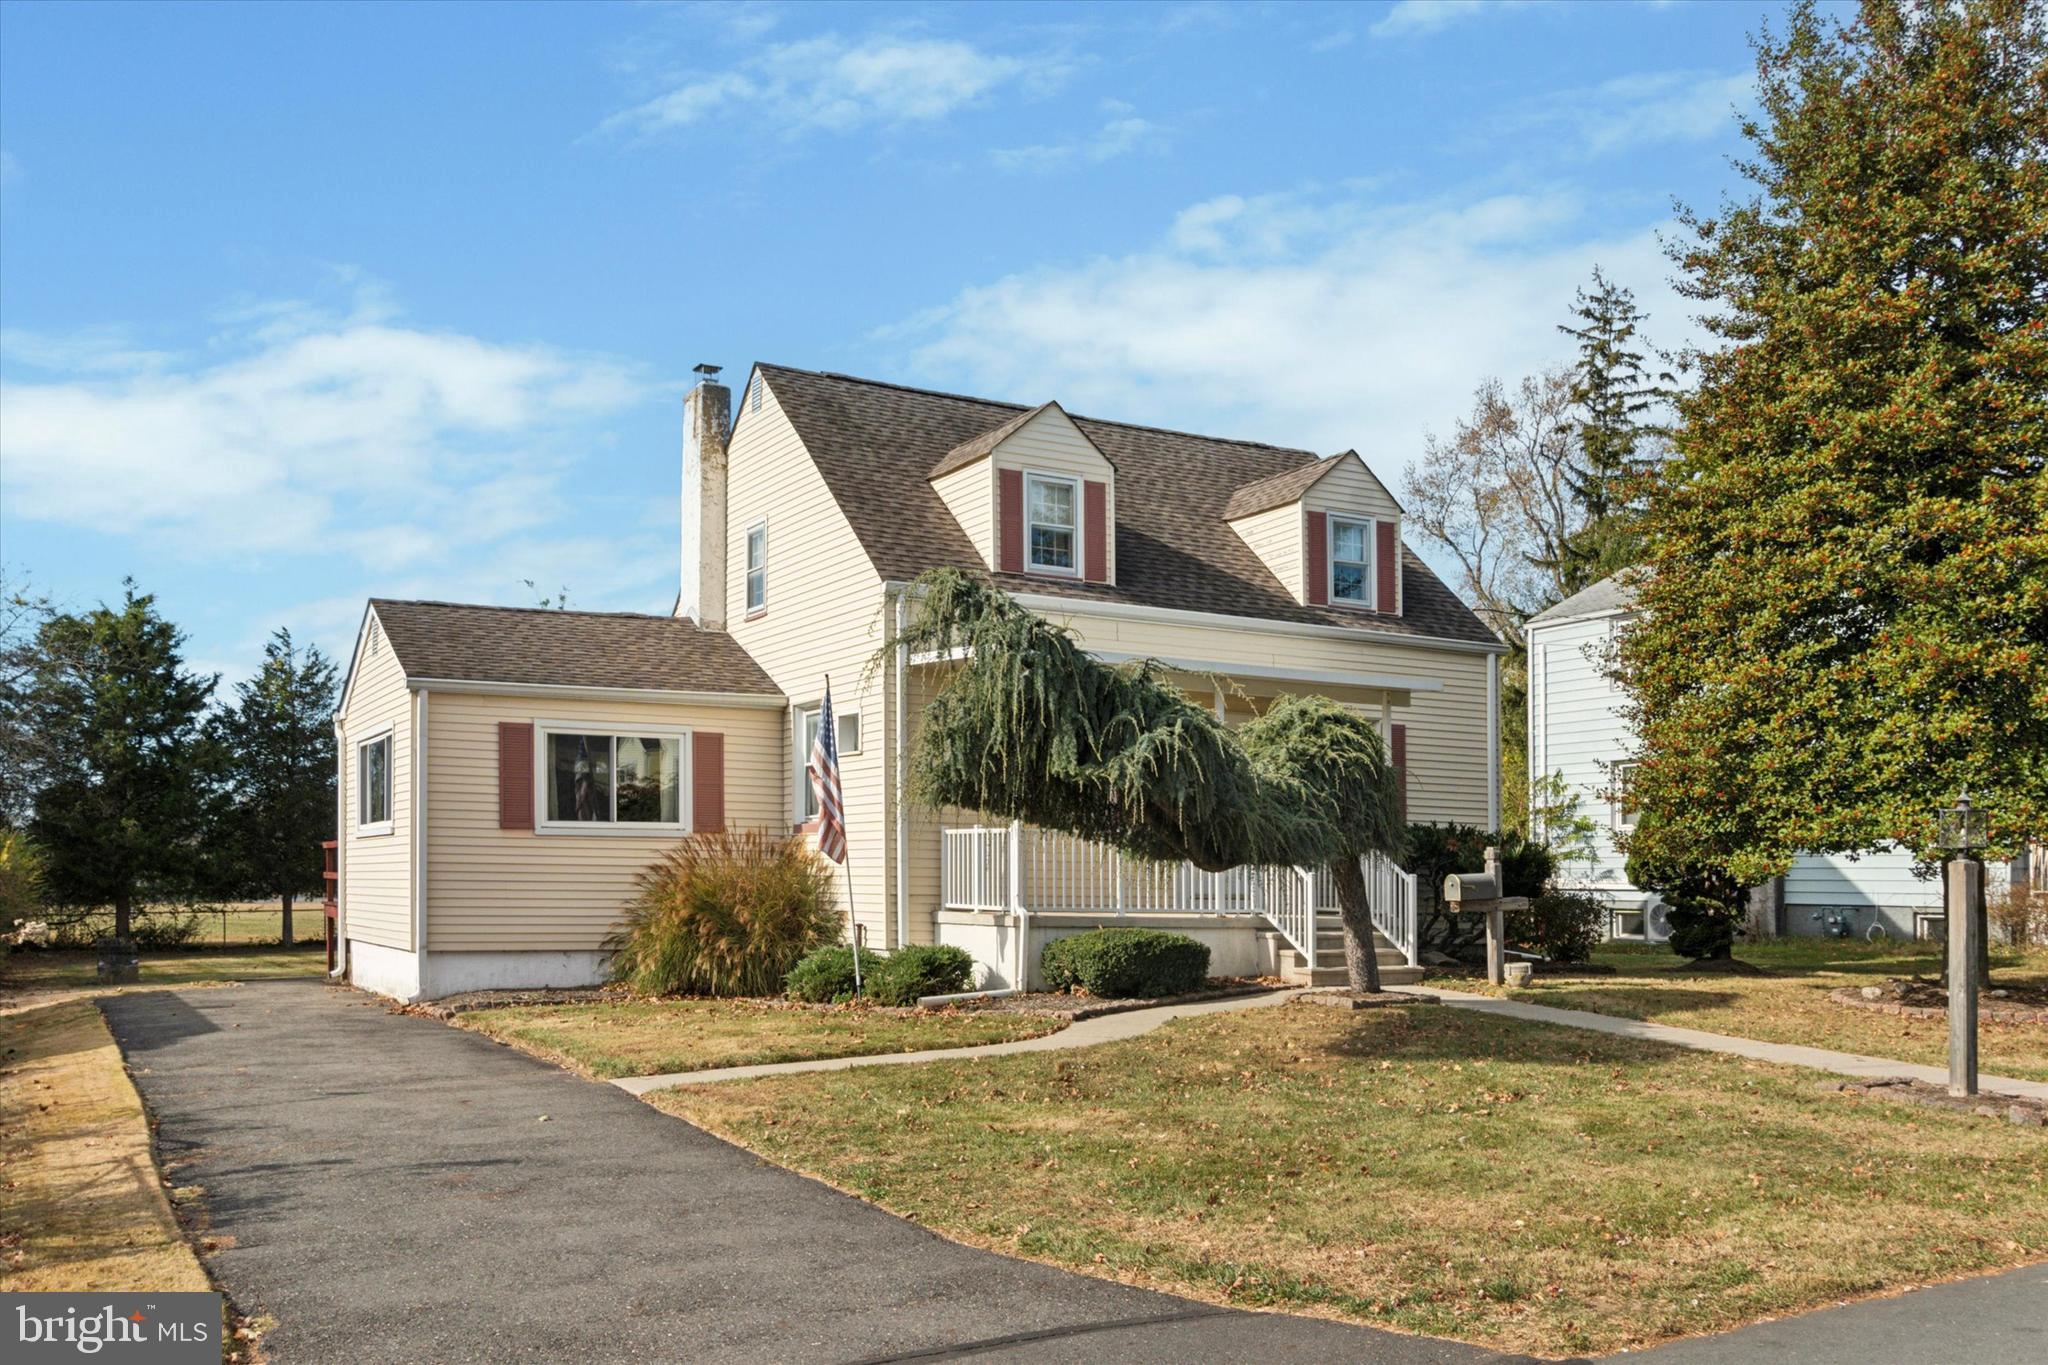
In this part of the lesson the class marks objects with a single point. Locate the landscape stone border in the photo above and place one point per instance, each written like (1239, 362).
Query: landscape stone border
(1988, 1011)
(2025, 1113)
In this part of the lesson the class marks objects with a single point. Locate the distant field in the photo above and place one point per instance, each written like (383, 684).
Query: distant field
(238, 922)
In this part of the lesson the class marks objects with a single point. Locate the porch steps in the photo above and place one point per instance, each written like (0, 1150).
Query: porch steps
(1329, 970)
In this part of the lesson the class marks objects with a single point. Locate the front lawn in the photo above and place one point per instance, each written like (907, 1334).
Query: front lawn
(1791, 1004)
(652, 1037)
(1525, 1187)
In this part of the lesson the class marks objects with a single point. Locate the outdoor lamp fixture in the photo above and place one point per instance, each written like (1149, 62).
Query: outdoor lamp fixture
(1961, 827)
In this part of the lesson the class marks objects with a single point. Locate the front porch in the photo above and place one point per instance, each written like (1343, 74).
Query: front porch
(1007, 890)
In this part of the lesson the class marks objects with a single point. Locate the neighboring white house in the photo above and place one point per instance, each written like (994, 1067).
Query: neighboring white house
(507, 773)
(1577, 732)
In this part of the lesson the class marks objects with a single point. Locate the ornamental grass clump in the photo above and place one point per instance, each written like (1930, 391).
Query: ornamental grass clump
(724, 914)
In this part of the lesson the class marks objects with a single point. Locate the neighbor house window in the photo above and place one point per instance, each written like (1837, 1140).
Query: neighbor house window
(757, 566)
(613, 780)
(1630, 924)
(804, 736)
(1624, 796)
(1350, 567)
(373, 786)
(1051, 522)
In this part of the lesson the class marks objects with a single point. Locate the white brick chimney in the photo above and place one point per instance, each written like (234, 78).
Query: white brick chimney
(707, 424)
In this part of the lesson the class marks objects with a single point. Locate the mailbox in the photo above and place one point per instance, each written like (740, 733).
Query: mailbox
(1471, 886)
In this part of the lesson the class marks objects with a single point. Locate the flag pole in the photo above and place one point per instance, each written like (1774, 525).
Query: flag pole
(852, 920)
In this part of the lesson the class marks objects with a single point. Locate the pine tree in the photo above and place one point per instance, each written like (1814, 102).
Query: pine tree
(1845, 614)
(1615, 398)
(125, 765)
(277, 746)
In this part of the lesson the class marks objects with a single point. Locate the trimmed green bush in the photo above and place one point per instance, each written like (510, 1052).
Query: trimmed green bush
(1141, 964)
(825, 975)
(911, 973)
(1564, 926)
(724, 914)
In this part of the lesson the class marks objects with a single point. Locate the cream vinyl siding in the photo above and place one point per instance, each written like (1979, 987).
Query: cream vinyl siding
(1275, 536)
(825, 615)
(1352, 492)
(377, 869)
(970, 495)
(492, 889)
(1050, 443)
(1577, 730)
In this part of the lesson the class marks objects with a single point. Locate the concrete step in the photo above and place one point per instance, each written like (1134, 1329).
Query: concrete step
(1340, 976)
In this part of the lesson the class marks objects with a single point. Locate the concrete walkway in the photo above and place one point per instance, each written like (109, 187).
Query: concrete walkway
(1787, 1054)
(1105, 1028)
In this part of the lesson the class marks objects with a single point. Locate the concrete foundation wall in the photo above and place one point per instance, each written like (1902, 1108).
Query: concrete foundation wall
(387, 971)
(431, 975)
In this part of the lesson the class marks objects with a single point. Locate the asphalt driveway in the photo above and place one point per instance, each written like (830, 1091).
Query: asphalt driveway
(391, 1189)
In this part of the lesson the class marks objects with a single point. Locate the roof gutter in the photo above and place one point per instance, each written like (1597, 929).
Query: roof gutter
(752, 700)
(1261, 625)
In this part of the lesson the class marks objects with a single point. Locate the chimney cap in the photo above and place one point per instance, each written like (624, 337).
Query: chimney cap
(707, 373)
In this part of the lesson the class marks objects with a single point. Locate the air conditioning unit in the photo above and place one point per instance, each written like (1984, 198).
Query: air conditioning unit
(1656, 918)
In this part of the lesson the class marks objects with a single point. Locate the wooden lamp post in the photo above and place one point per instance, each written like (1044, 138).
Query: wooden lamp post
(1479, 893)
(1962, 832)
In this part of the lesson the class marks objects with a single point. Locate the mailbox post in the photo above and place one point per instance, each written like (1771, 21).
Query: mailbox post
(1478, 893)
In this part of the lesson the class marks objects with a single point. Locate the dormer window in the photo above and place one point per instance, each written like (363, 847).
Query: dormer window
(1350, 561)
(1052, 522)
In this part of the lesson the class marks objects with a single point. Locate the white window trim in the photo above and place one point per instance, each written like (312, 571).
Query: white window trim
(365, 830)
(1616, 770)
(611, 829)
(747, 571)
(1078, 528)
(1372, 562)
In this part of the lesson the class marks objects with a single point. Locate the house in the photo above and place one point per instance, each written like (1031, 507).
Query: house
(507, 773)
(1578, 734)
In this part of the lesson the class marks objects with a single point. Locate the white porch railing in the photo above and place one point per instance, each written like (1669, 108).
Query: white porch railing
(995, 868)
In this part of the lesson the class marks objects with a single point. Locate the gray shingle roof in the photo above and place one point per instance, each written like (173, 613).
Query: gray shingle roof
(459, 642)
(877, 444)
(1608, 595)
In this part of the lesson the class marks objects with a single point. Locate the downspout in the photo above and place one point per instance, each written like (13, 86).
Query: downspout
(419, 833)
(1493, 741)
(899, 758)
(341, 758)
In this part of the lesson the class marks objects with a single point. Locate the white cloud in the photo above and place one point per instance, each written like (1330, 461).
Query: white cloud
(1122, 134)
(1304, 319)
(377, 442)
(1661, 106)
(1416, 17)
(1331, 42)
(830, 83)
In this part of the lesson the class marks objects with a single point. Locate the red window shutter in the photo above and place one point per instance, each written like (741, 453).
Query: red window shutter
(1095, 512)
(1010, 520)
(515, 775)
(1318, 559)
(1388, 562)
(707, 781)
(1400, 758)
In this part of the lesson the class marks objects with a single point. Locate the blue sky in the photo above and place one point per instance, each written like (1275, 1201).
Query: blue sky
(305, 303)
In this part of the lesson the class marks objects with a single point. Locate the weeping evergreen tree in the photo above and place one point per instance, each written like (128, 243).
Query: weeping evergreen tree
(1030, 727)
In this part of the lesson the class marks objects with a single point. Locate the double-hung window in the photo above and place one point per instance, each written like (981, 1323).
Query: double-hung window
(757, 566)
(1624, 795)
(1350, 561)
(620, 781)
(373, 785)
(1052, 523)
(804, 736)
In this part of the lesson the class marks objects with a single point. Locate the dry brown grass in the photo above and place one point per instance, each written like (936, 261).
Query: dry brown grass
(85, 1208)
(654, 1037)
(1524, 1187)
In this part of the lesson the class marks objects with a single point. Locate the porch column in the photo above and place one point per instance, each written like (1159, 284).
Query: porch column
(1387, 722)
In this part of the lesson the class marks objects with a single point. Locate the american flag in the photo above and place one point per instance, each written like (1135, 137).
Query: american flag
(824, 770)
